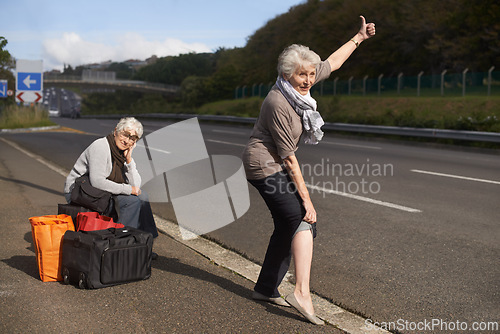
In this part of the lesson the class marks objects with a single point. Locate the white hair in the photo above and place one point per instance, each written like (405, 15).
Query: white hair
(130, 123)
(294, 57)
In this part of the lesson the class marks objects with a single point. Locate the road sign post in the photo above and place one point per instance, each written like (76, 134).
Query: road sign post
(29, 80)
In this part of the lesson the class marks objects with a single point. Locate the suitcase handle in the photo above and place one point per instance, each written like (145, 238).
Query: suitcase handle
(123, 234)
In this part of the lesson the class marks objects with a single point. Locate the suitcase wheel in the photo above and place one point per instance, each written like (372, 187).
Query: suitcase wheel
(65, 274)
(82, 281)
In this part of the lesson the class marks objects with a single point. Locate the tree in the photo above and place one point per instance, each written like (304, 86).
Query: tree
(412, 36)
(173, 70)
(122, 70)
(193, 91)
(5, 57)
(6, 67)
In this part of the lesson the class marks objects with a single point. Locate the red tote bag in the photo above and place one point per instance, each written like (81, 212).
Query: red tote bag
(93, 221)
(47, 233)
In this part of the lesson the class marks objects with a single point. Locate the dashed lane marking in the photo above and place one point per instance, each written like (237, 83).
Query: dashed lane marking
(454, 176)
(364, 199)
(224, 142)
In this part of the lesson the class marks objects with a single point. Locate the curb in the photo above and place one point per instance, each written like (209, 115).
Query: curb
(43, 128)
(329, 312)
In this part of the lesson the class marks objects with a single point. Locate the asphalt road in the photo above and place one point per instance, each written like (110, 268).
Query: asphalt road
(64, 102)
(187, 292)
(414, 240)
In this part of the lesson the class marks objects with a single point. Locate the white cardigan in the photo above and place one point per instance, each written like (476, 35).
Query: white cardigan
(96, 161)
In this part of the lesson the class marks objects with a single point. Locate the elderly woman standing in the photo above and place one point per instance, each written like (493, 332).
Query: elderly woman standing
(287, 113)
(110, 167)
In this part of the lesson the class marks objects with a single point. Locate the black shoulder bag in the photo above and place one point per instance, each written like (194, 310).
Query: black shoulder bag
(84, 194)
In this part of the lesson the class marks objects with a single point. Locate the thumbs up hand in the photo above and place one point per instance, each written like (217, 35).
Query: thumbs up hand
(367, 30)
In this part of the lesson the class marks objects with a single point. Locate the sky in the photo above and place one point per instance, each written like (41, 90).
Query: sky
(79, 32)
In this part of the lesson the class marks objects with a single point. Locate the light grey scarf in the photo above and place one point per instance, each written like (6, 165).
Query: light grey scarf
(305, 106)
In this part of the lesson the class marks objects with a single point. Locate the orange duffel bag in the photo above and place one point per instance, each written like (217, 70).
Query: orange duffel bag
(47, 233)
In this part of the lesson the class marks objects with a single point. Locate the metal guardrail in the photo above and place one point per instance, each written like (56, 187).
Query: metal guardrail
(479, 136)
(492, 137)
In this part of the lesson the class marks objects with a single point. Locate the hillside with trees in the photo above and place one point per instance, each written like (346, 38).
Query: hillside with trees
(412, 36)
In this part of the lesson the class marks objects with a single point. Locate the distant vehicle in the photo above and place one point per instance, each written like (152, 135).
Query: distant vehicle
(75, 112)
(54, 112)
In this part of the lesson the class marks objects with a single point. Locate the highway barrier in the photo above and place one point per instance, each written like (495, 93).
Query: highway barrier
(478, 136)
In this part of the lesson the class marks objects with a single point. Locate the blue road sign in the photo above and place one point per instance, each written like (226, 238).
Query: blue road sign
(29, 81)
(3, 88)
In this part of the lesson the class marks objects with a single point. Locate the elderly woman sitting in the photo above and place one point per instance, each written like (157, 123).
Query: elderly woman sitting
(110, 167)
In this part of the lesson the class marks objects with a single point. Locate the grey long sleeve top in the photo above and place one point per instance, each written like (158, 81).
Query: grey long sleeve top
(96, 161)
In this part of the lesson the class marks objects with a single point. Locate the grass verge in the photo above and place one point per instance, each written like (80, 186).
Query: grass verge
(15, 117)
(454, 113)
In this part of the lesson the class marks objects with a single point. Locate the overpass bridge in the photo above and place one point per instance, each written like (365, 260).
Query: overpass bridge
(133, 85)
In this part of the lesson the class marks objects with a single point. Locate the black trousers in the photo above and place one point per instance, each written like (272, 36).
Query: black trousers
(285, 204)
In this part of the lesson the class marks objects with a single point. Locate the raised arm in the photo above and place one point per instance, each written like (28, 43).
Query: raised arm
(338, 58)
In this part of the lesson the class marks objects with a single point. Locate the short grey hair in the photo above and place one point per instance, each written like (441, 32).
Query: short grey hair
(294, 57)
(130, 123)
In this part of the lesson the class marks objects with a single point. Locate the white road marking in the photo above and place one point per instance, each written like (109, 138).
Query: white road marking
(41, 160)
(329, 191)
(154, 149)
(231, 132)
(225, 142)
(364, 199)
(324, 142)
(455, 176)
(354, 145)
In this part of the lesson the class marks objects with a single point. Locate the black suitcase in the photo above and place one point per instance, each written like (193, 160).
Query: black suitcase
(97, 259)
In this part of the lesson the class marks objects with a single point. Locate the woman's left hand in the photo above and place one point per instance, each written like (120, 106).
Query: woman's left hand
(310, 216)
(367, 30)
(136, 191)
(128, 153)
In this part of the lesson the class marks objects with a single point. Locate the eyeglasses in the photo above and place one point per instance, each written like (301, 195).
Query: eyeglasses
(127, 135)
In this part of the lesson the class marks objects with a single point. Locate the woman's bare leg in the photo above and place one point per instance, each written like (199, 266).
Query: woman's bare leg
(302, 252)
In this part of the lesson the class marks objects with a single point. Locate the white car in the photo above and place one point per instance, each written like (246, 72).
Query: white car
(54, 112)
